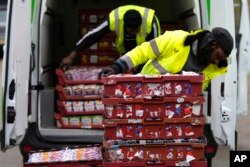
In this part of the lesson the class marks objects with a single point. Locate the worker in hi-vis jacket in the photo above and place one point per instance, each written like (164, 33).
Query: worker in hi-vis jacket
(132, 24)
(199, 51)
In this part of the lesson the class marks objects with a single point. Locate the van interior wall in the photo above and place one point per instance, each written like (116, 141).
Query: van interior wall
(59, 32)
(60, 27)
(46, 51)
(68, 17)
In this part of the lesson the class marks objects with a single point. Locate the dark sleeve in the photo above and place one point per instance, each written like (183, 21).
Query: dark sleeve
(92, 36)
(155, 30)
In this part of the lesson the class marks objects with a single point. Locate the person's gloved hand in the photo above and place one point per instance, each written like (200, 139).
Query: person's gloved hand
(116, 68)
(106, 71)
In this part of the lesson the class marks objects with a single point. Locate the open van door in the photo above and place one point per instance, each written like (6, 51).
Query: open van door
(227, 90)
(242, 30)
(15, 73)
(223, 88)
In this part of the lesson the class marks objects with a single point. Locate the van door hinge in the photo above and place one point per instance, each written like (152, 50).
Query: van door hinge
(37, 87)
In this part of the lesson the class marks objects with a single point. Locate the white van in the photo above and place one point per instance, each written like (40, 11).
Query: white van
(3, 9)
(41, 32)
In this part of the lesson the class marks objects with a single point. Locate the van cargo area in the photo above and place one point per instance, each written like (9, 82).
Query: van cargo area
(59, 30)
(46, 109)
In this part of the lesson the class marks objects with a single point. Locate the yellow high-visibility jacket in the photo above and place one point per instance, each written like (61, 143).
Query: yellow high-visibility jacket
(167, 54)
(116, 24)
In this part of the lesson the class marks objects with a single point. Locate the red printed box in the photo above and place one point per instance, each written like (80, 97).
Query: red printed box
(91, 156)
(137, 129)
(185, 151)
(67, 164)
(166, 107)
(93, 16)
(78, 75)
(105, 44)
(202, 163)
(132, 86)
(78, 122)
(88, 107)
(80, 92)
(132, 142)
(102, 58)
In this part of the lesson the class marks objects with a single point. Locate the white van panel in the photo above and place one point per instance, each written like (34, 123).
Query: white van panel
(16, 64)
(224, 88)
(244, 60)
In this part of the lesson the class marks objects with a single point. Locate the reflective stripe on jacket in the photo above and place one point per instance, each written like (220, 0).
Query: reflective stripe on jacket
(167, 54)
(117, 24)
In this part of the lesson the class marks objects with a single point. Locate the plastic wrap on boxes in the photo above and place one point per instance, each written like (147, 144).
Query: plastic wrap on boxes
(78, 75)
(66, 155)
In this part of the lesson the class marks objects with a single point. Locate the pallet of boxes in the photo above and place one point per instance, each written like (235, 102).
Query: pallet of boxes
(79, 98)
(153, 120)
(79, 88)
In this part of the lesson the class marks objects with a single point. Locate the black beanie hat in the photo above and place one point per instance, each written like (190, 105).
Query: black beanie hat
(132, 19)
(223, 39)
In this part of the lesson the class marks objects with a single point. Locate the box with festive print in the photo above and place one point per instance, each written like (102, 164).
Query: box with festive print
(202, 163)
(165, 107)
(77, 75)
(79, 107)
(61, 157)
(134, 86)
(160, 150)
(78, 122)
(136, 129)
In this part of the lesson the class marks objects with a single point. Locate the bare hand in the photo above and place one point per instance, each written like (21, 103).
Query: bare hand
(67, 61)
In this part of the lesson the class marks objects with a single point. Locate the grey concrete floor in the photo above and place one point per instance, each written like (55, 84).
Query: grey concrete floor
(12, 157)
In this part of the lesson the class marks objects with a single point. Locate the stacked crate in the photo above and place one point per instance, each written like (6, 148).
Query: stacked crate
(79, 98)
(153, 120)
(79, 88)
(102, 52)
